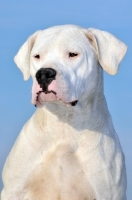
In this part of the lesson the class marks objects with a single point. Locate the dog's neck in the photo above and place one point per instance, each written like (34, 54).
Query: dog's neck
(88, 115)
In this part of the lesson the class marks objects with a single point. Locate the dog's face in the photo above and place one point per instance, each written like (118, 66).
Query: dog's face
(64, 62)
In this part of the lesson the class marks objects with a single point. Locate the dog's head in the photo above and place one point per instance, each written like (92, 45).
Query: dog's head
(64, 62)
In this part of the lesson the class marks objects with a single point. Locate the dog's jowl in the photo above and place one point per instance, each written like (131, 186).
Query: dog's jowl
(68, 150)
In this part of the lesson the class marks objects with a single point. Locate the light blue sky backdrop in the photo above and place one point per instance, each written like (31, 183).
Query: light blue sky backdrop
(19, 19)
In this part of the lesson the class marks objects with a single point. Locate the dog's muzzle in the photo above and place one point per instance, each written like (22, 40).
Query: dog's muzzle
(45, 76)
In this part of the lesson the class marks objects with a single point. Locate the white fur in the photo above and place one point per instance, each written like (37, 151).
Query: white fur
(65, 152)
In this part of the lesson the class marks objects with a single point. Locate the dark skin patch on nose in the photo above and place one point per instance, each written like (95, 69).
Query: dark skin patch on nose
(44, 77)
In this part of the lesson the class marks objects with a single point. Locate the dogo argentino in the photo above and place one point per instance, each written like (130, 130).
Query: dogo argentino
(69, 149)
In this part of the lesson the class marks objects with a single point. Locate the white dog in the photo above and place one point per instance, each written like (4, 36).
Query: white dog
(68, 150)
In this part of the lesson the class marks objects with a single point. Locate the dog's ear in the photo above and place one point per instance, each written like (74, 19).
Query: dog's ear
(22, 58)
(109, 49)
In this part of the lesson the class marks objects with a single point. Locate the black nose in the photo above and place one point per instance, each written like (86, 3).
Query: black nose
(45, 76)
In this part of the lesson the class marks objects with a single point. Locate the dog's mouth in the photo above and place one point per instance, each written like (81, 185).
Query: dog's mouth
(43, 91)
(73, 103)
(51, 93)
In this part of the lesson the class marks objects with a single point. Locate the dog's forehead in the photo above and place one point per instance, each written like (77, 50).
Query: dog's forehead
(61, 36)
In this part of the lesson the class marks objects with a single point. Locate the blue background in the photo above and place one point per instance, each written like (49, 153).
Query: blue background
(19, 19)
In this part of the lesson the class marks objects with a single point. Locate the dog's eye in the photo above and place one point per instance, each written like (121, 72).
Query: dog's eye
(73, 54)
(37, 56)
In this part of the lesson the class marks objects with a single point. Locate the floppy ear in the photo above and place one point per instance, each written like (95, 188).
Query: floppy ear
(109, 49)
(22, 59)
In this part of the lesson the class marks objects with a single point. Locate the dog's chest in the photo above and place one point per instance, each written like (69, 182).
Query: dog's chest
(59, 173)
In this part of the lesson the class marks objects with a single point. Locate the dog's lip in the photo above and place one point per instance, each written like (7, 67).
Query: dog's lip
(38, 102)
(73, 103)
